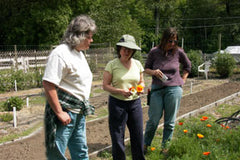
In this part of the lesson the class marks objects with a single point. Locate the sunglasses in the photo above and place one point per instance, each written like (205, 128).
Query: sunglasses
(171, 41)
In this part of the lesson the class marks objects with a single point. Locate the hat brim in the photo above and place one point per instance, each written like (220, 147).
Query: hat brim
(129, 45)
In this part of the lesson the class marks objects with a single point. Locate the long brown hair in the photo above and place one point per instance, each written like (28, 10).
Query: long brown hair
(166, 36)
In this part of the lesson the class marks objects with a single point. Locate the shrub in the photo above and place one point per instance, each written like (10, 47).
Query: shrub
(13, 102)
(224, 64)
(196, 59)
(6, 117)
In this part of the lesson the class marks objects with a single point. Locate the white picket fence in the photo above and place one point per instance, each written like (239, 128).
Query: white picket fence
(23, 63)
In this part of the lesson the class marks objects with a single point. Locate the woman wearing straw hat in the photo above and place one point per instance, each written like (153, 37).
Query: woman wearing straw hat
(121, 76)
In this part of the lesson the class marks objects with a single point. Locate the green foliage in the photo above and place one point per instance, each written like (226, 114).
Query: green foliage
(42, 22)
(224, 64)
(217, 140)
(6, 117)
(13, 102)
(113, 19)
(138, 56)
(195, 56)
(31, 79)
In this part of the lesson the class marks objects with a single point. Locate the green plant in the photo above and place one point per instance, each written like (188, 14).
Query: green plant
(224, 64)
(196, 59)
(13, 102)
(6, 117)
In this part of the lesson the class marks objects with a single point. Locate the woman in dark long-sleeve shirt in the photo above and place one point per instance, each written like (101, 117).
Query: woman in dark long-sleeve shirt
(165, 60)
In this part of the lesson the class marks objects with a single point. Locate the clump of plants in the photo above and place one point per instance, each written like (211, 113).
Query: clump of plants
(224, 64)
(195, 56)
(6, 117)
(13, 102)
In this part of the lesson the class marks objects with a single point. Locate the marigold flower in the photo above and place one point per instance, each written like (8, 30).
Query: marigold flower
(209, 125)
(204, 118)
(227, 127)
(132, 90)
(200, 136)
(185, 131)
(180, 123)
(153, 148)
(206, 153)
(139, 88)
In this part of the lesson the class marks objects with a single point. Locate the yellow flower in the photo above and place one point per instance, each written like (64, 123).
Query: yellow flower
(200, 136)
(185, 131)
(139, 88)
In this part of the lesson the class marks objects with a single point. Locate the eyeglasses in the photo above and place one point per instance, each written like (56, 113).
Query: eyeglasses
(171, 41)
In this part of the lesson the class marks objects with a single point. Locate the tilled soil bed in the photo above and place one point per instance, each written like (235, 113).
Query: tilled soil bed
(32, 148)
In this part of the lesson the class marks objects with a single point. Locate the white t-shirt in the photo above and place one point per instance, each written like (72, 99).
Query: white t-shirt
(69, 70)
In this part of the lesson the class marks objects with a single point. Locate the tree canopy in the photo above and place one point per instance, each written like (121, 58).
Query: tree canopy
(199, 22)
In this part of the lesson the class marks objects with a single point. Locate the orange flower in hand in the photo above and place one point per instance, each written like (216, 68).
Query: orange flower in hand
(139, 88)
(132, 88)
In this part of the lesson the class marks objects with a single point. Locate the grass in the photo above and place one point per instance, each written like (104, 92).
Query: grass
(219, 142)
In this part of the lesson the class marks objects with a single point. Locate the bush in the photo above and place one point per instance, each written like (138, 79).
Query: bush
(13, 102)
(196, 59)
(6, 117)
(224, 64)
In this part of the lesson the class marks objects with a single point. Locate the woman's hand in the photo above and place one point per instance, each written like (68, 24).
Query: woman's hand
(126, 93)
(64, 117)
(158, 73)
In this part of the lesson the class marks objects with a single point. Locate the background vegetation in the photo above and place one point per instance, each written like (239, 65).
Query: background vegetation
(199, 22)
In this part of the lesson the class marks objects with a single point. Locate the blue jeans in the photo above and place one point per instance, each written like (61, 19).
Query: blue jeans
(72, 136)
(167, 101)
(122, 113)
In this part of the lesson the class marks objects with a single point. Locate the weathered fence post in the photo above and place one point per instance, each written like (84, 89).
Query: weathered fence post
(27, 102)
(16, 57)
(191, 86)
(14, 117)
(15, 85)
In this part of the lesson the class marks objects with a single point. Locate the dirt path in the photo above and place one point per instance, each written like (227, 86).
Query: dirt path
(97, 131)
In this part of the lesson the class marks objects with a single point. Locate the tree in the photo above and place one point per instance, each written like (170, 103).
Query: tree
(113, 19)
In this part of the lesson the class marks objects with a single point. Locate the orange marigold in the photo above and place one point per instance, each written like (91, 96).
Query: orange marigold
(139, 88)
(185, 131)
(180, 123)
(209, 125)
(206, 153)
(153, 148)
(131, 88)
(200, 136)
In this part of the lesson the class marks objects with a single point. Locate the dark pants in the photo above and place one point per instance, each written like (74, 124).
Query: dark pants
(120, 114)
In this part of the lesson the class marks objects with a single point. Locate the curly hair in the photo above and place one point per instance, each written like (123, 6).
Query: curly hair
(78, 30)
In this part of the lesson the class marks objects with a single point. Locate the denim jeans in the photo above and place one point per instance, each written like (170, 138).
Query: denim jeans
(163, 101)
(72, 136)
(122, 113)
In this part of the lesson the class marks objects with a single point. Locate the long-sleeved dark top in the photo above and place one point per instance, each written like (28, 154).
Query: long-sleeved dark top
(169, 64)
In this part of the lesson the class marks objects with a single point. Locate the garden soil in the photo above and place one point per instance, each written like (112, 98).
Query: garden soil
(32, 148)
